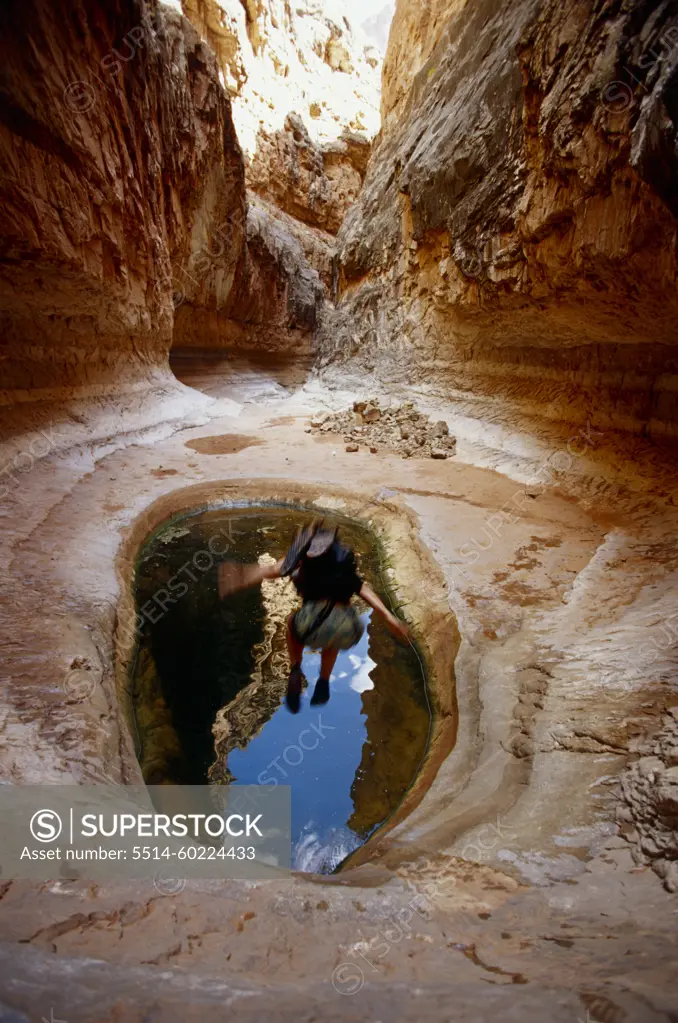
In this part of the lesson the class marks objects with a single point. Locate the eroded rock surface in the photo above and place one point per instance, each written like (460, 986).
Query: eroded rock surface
(273, 304)
(117, 147)
(313, 183)
(515, 237)
(304, 82)
(125, 224)
(277, 58)
(317, 245)
(513, 249)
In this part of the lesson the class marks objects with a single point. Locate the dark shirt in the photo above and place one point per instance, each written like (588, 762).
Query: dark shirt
(332, 576)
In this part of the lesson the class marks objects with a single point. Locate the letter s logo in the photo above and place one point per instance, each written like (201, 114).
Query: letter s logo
(45, 825)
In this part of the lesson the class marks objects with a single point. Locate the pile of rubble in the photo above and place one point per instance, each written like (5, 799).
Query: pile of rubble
(649, 817)
(400, 428)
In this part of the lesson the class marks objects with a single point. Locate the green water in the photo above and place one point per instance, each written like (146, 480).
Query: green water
(348, 762)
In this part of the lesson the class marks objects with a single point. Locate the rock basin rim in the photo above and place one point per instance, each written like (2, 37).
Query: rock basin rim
(414, 577)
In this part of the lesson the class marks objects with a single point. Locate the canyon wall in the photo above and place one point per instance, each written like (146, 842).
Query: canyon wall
(277, 58)
(507, 243)
(514, 246)
(124, 217)
(117, 148)
(273, 302)
(304, 85)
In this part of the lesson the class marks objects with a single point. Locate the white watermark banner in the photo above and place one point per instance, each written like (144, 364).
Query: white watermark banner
(180, 831)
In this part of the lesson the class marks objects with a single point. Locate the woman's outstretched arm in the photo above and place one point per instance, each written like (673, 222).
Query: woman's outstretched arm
(233, 577)
(272, 571)
(397, 627)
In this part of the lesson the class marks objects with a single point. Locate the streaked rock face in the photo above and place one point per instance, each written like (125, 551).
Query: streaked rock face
(117, 148)
(124, 214)
(270, 301)
(315, 184)
(415, 32)
(516, 236)
(514, 251)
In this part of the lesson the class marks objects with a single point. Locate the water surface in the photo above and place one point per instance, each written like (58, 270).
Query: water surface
(210, 678)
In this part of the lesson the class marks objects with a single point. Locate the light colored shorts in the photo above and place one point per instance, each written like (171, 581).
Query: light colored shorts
(341, 629)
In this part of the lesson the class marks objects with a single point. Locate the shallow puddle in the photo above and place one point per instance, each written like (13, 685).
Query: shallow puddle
(210, 679)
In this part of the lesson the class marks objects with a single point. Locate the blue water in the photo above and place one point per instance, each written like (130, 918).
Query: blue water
(348, 763)
(322, 775)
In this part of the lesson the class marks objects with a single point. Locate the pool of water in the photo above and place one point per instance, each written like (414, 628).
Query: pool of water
(210, 678)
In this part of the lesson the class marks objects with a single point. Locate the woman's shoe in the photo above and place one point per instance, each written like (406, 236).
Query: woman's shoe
(321, 693)
(294, 686)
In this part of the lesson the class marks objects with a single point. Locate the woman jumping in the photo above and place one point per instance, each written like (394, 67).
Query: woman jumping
(324, 573)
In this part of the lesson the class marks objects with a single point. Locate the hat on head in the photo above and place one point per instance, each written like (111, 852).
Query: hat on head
(321, 542)
(301, 544)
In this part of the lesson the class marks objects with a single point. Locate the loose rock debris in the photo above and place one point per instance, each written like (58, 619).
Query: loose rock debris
(399, 428)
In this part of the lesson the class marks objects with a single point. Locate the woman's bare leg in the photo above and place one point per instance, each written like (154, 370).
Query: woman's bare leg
(328, 659)
(294, 648)
(321, 693)
(295, 681)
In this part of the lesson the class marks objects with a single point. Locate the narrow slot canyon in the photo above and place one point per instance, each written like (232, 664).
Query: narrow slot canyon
(406, 269)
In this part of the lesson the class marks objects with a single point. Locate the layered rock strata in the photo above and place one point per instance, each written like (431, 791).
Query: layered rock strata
(514, 246)
(117, 150)
(124, 218)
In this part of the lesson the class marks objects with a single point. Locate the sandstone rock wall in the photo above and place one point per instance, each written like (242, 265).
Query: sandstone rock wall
(514, 246)
(117, 144)
(318, 246)
(272, 304)
(277, 57)
(124, 213)
(415, 32)
(305, 89)
(315, 184)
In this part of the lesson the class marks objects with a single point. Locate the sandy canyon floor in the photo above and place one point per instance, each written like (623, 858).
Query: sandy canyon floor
(542, 567)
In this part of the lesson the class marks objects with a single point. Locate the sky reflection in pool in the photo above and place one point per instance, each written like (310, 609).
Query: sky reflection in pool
(318, 752)
(348, 763)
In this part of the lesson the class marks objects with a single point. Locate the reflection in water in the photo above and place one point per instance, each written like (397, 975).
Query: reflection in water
(243, 717)
(318, 852)
(210, 681)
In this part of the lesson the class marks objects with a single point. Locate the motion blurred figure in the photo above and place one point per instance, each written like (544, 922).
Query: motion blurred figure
(325, 575)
